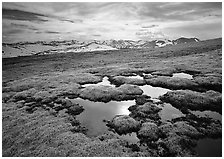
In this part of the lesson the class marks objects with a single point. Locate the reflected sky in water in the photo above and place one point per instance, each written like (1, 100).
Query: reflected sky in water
(154, 92)
(183, 75)
(95, 112)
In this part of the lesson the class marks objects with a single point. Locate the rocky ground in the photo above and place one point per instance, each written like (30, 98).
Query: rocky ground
(39, 119)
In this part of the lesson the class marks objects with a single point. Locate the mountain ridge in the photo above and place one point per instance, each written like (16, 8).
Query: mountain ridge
(52, 47)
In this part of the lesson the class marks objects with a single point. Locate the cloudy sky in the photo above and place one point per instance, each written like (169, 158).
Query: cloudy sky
(101, 21)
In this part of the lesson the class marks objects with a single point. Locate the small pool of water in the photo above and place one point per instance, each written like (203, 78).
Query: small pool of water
(183, 75)
(104, 82)
(154, 92)
(95, 112)
(169, 112)
(209, 147)
(135, 77)
(210, 114)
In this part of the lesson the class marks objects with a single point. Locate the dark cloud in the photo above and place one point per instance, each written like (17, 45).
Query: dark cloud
(178, 11)
(52, 32)
(150, 26)
(97, 35)
(21, 15)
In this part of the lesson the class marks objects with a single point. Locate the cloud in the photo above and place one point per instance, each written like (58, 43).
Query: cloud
(22, 15)
(150, 26)
(134, 21)
(52, 32)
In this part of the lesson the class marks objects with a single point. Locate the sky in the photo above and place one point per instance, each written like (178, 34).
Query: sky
(34, 21)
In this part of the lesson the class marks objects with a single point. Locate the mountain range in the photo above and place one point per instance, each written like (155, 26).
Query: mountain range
(43, 47)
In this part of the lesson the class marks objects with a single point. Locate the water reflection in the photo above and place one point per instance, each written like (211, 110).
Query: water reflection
(169, 112)
(135, 77)
(104, 82)
(209, 147)
(183, 75)
(95, 112)
(154, 92)
(207, 113)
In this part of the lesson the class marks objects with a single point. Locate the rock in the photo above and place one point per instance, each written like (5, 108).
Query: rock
(148, 131)
(186, 99)
(124, 124)
(119, 80)
(75, 109)
(172, 83)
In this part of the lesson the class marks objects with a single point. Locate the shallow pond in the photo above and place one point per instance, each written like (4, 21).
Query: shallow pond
(183, 75)
(135, 77)
(207, 113)
(154, 92)
(104, 82)
(95, 112)
(169, 112)
(209, 147)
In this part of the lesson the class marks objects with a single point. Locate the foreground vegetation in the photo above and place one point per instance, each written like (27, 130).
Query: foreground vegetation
(38, 119)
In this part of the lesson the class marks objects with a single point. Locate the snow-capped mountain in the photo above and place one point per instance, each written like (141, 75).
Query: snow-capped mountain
(43, 47)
